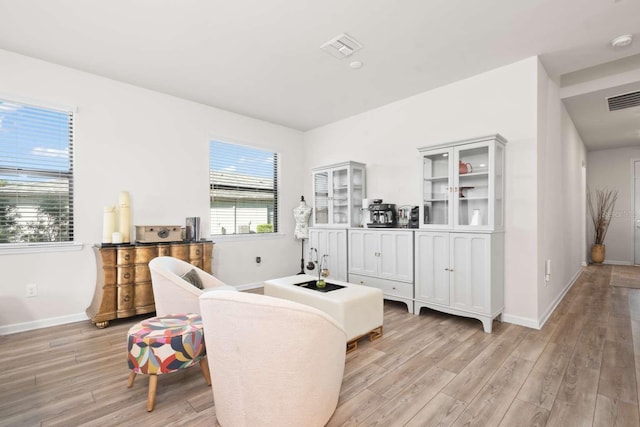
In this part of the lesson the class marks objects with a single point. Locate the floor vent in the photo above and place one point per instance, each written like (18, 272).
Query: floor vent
(627, 100)
(341, 46)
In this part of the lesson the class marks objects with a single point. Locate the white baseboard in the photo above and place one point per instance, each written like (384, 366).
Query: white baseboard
(519, 320)
(42, 323)
(552, 307)
(613, 262)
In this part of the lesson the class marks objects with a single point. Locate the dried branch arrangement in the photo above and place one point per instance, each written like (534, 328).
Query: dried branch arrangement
(601, 210)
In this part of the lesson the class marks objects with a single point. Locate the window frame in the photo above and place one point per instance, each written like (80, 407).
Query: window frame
(277, 192)
(48, 246)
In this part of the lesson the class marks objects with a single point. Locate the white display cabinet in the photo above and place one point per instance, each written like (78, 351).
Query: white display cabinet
(463, 185)
(338, 191)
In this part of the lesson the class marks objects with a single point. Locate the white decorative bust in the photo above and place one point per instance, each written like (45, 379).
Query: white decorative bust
(301, 213)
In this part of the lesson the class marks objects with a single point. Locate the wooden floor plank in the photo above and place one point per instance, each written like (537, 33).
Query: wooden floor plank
(541, 386)
(615, 413)
(493, 401)
(524, 414)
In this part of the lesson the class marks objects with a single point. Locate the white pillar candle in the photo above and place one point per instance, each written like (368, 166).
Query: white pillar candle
(116, 237)
(108, 223)
(124, 216)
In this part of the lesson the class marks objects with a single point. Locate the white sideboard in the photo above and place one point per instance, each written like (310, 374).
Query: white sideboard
(383, 258)
(331, 242)
(460, 273)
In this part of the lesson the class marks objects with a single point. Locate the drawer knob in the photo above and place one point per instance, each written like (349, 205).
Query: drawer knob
(127, 298)
(127, 275)
(126, 257)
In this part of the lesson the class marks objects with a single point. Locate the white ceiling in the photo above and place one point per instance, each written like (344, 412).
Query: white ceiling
(262, 58)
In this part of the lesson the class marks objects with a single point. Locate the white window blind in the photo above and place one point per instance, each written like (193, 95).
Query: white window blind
(36, 174)
(243, 188)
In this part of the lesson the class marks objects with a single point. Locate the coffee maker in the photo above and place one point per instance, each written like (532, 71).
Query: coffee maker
(382, 215)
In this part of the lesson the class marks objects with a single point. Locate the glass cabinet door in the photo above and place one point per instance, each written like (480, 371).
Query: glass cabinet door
(498, 186)
(338, 191)
(436, 188)
(463, 185)
(340, 199)
(357, 194)
(321, 197)
(472, 186)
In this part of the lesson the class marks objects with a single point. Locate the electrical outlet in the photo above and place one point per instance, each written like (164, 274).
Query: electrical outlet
(258, 259)
(32, 290)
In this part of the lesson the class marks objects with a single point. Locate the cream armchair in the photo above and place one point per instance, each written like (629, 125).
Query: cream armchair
(173, 294)
(273, 362)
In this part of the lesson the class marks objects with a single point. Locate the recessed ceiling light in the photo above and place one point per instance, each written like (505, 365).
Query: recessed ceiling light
(622, 41)
(355, 65)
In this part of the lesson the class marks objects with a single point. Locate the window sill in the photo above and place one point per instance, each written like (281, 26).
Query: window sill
(30, 248)
(245, 237)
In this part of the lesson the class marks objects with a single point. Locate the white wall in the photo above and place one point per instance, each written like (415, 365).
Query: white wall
(156, 147)
(561, 156)
(613, 169)
(386, 139)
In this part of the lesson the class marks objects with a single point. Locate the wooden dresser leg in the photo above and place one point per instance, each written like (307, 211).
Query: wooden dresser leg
(204, 366)
(132, 376)
(153, 385)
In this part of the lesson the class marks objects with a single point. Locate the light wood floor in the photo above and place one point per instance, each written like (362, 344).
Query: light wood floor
(427, 370)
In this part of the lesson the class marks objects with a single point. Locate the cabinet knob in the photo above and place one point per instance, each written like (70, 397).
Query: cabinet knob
(126, 257)
(127, 275)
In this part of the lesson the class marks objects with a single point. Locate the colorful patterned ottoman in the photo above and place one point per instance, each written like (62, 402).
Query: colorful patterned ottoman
(160, 345)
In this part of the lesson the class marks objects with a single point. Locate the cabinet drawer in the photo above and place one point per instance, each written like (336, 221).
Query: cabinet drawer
(146, 254)
(195, 251)
(125, 301)
(389, 287)
(125, 275)
(180, 252)
(164, 250)
(143, 297)
(125, 256)
(143, 274)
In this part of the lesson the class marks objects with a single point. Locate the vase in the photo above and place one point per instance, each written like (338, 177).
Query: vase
(597, 253)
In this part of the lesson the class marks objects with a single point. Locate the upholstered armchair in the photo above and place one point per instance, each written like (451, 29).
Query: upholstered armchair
(273, 362)
(172, 293)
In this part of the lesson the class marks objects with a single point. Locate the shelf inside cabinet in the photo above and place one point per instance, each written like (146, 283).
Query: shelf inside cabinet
(437, 178)
(473, 174)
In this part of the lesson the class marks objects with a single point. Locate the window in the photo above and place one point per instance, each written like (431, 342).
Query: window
(243, 189)
(36, 174)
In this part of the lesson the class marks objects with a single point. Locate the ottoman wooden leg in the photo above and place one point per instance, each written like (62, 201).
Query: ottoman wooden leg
(375, 334)
(204, 366)
(132, 376)
(153, 385)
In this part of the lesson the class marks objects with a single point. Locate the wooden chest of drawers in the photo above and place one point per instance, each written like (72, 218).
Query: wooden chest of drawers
(123, 287)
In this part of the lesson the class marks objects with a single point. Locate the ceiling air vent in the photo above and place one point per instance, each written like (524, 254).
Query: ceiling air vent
(627, 100)
(341, 46)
